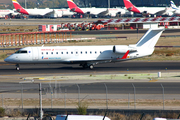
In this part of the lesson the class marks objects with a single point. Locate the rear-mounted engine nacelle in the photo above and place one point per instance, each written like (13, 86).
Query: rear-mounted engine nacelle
(120, 49)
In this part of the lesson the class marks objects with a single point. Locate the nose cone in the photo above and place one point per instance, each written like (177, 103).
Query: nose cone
(9, 59)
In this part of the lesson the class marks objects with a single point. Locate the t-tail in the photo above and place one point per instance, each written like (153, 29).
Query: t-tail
(145, 46)
(173, 6)
(19, 8)
(73, 7)
(129, 6)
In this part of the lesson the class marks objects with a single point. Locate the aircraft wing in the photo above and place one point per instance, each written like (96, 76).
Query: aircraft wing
(161, 12)
(97, 11)
(103, 12)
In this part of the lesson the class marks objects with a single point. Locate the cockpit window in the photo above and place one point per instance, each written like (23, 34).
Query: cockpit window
(21, 51)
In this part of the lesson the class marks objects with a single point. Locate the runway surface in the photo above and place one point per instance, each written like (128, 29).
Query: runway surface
(141, 88)
(131, 66)
(172, 89)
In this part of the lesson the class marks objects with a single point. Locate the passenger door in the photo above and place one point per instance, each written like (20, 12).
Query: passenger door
(35, 54)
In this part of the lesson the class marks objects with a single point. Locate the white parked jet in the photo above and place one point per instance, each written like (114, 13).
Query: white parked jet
(22, 10)
(87, 56)
(99, 12)
(147, 10)
(175, 8)
(42, 12)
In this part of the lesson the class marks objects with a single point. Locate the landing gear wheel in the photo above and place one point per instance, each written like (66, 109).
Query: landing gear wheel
(17, 67)
(91, 67)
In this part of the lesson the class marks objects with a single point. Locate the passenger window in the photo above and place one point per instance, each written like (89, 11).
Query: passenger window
(51, 52)
(71, 52)
(100, 52)
(90, 52)
(47, 53)
(81, 52)
(67, 53)
(42, 53)
(86, 52)
(76, 52)
(95, 52)
(61, 52)
(56, 52)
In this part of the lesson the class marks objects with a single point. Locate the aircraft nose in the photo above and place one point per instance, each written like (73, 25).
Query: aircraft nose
(8, 59)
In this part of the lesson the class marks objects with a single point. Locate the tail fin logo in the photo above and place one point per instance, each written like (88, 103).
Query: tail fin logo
(19, 8)
(73, 7)
(129, 6)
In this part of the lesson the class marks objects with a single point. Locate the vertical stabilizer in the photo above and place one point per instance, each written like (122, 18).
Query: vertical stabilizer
(150, 39)
(73, 7)
(19, 8)
(129, 6)
(173, 6)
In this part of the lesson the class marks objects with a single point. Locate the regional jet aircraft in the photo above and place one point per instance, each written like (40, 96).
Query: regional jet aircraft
(87, 56)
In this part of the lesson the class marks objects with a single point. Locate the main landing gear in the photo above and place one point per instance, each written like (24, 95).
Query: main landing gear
(17, 67)
(90, 66)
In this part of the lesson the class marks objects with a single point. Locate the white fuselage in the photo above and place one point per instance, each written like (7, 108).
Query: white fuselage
(63, 12)
(4, 12)
(103, 11)
(41, 12)
(74, 54)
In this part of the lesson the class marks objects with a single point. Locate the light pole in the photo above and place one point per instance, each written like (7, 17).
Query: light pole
(25, 4)
(109, 4)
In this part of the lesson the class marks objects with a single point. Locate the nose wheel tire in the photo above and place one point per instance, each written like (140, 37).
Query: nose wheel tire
(17, 68)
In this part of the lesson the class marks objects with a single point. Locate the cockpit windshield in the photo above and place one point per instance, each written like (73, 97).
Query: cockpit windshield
(21, 51)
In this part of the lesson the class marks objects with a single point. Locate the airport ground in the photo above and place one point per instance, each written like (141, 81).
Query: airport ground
(119, 78)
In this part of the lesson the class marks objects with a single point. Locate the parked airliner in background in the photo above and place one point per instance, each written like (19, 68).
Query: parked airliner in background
(87, 56)
(175, 8)
(98, 12)
(42, 12)
(22, 10)
(4, 12)
(145, 11)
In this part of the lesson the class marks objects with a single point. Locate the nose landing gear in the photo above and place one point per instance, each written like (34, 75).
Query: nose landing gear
(17, 67)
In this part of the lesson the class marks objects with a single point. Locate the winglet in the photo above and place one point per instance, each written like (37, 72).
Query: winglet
(125, 55)
(19, 8)
(129, 6)
(73, 7)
